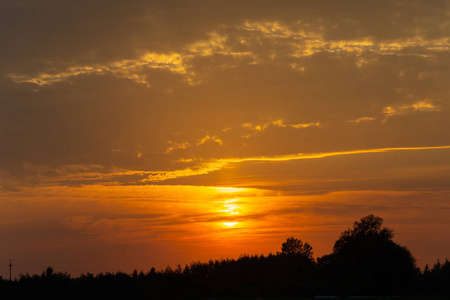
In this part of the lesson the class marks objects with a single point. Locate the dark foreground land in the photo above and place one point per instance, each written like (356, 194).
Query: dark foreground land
(337, 297)
(365, 262)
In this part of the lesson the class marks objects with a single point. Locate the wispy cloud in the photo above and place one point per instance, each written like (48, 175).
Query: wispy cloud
(175, 145)
(129, 68)
(362, 119)
(96, 174)
(215, 165)
(278, 123)
(424, 105)
(211, 138)
(184, 145)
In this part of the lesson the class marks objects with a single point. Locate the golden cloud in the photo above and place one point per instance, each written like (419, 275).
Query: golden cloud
(424, 105)
(277, 123)
(302, 42)
(362, 119)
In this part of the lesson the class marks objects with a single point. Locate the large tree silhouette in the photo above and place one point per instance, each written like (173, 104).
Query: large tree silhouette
(367, 260)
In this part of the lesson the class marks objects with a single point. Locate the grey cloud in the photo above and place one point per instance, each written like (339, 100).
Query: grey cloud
(118, 123)
(51, 34)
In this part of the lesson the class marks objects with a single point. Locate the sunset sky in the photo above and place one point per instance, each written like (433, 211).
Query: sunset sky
(151, 133)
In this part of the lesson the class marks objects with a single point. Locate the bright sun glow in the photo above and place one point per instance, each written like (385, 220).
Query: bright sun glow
(230, 224)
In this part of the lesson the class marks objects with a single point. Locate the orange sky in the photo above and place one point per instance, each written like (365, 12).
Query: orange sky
(151, 133)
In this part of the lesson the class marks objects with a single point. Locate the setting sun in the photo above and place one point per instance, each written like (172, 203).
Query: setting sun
(230, 224)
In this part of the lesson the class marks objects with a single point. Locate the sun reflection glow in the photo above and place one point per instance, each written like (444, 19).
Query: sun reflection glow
(226, 190)
(230, 207)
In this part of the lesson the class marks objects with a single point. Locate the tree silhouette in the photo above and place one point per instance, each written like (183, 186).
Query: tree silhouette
(367, 231)
(294, 246)
(366, 260)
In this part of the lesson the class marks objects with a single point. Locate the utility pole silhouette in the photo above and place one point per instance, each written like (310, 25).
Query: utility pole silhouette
(10, 266)
(10, 281)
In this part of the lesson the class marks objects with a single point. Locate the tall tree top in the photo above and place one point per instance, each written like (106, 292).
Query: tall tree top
(367, 229)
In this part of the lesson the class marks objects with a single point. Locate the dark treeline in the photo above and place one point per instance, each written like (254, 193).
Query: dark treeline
(364, 261)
